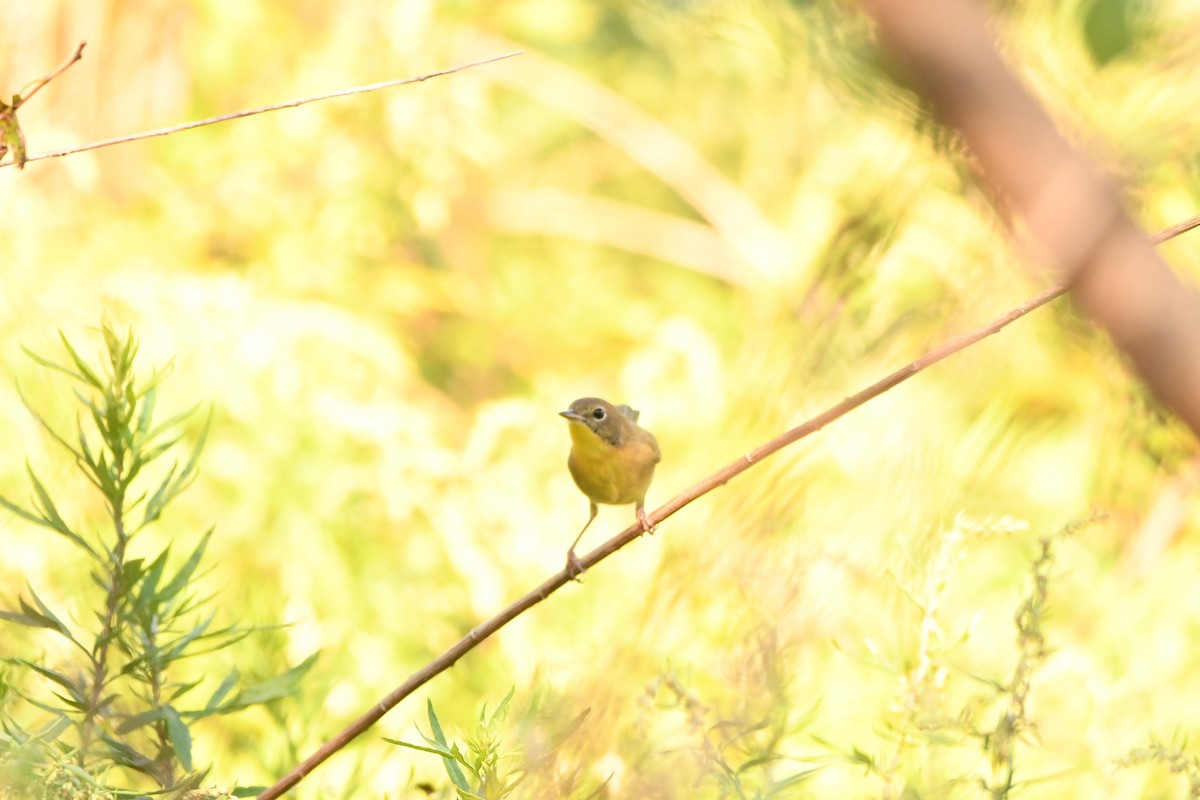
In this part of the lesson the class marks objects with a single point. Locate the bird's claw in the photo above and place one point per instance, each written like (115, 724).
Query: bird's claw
(644, 521)
(574, 567)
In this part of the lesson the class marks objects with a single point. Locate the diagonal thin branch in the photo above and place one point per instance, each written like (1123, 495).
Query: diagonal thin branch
(40, 83)
(371, 87)
(718, 478)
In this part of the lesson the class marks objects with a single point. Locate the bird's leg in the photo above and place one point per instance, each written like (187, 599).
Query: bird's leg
(643, 520)
(574, 568)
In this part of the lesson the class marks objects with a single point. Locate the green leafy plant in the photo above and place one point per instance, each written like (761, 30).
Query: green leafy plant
(1012, 725)
(494, 773)
(995, 721)
(485, 768)
(121, 700)
(739, 755)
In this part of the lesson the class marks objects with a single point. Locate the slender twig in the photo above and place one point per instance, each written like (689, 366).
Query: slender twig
(40, 82)
(719, 478)
(372, 87)
(12, 138)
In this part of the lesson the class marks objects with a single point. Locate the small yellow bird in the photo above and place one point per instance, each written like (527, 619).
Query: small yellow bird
(612, 460)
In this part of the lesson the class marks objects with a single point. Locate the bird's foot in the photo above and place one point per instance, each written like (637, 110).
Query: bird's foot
(575, 568)
(644, 521)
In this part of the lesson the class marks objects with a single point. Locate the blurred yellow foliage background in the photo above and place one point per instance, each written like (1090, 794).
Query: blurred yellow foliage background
(727, 215)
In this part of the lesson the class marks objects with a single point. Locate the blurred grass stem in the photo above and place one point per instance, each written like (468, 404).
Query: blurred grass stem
(249, 112)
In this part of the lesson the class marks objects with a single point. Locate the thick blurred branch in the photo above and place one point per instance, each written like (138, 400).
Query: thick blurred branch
(718, 478)
(1071, 210)
(372, 87)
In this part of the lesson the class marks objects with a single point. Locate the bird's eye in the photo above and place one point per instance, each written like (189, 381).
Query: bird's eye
(598, 413)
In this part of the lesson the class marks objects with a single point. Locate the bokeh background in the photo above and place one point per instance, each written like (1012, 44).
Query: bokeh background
(729, 215)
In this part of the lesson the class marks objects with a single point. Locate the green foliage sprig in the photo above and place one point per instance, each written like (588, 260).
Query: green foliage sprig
(120, 702)
(495, 773)
(1174, 756)
(740, 755)
(486, 767)
(995, 721)
(1012, 724)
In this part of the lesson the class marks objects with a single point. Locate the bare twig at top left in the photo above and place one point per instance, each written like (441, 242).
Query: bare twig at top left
(372, 87)
(11, 136)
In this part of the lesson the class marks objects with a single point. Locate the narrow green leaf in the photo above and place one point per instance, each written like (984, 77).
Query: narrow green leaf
(129, 395)
(86, 401)
(791, 781)
(179, 736)
(156, 377)
(69, 702)
(135, 502)
(174, 650)
(197, 449)
(130, 724)
(131, 350)
(44, 504)
(21, 619)
(147, 598)
(174, 483)
(46, 614)
(756, 762)
(274, 688)
(189, 786)
(123, 754)
(85, 372)
(501, 711)
(226, 686)
(158, 449)
(170, 423)
(100, 420)
(46, 426)
(56, 728)
(132, 572)
(45, 522)
(23, 514)
(135, 466)
(85, 449)
(559, 737)
(49, 517)
(48, 364)
(218, 640)
(159, 499)
(78, 695)
(29, 620)
(436, 726)
(180, 689)
(437, 751)
(184, 576)
(100, 581)
(452, 769)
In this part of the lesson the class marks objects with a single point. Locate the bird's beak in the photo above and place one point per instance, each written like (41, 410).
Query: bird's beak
(571, 415)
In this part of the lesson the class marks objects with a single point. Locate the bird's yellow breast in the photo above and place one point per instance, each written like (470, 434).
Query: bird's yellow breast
(614, 475)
